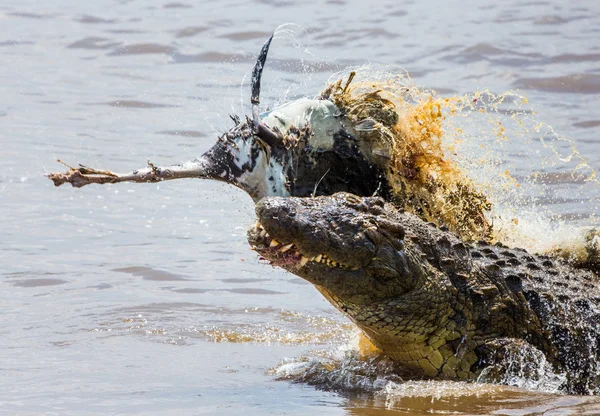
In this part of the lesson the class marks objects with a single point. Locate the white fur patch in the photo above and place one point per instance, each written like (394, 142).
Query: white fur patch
(257, 182)
(322, 115)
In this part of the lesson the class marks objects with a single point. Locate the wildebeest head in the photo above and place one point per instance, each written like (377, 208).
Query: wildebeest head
(305, 147)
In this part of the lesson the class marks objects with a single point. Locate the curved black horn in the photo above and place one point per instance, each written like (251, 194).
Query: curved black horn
(257, 72)
(261, 129)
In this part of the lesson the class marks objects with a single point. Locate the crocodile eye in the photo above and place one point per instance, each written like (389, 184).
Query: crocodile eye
(353, 199)
(370, 223)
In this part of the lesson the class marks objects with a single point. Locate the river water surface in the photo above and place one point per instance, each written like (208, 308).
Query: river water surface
(145, 299)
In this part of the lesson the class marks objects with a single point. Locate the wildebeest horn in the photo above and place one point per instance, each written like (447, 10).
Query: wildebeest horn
(261, 129)
(257, 72)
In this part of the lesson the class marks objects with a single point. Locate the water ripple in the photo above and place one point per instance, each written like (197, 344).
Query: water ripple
(575, 83)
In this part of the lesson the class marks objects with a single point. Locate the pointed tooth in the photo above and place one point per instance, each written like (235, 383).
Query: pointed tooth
(318, 258)
(286, 248)
(333, 263)
(263, 232)
(273, 243)
(303, 261)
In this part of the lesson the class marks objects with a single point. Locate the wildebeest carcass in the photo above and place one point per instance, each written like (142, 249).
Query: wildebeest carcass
(349, 139)
(301, 148)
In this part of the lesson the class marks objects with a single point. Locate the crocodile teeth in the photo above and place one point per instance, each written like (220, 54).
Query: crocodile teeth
(273, 244)
(286, 248)
(318, 258)
(263, 233)
(303, 261)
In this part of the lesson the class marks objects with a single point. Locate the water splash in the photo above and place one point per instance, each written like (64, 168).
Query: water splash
(481, 163)
(348, 371)
(400, 127)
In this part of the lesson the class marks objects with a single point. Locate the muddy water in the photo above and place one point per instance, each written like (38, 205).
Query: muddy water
(144, 299)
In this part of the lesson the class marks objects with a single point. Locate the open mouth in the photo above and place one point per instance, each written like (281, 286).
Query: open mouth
(287, 253)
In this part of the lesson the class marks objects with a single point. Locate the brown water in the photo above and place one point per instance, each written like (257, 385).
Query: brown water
(144, 299)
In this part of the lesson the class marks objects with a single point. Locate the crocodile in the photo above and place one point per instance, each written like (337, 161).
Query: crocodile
(438, 307)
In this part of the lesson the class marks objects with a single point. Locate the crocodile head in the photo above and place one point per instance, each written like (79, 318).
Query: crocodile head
(341, 244)
(353, 250)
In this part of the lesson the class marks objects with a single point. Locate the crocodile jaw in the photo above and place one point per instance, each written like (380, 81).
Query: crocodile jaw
(289, 255)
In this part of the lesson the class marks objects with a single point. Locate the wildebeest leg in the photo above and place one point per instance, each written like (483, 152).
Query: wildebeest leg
(84, 175)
